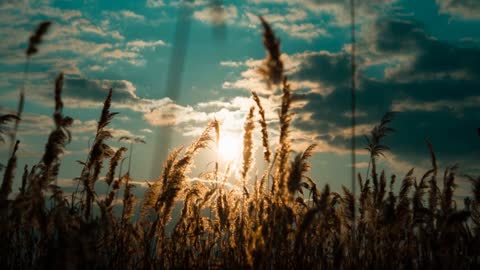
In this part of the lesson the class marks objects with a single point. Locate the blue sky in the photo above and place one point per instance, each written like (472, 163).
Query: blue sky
(420, 58)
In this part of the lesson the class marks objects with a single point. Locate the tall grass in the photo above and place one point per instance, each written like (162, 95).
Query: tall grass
(292, 224)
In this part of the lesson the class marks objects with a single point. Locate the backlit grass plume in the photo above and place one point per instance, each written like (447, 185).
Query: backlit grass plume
(248, 144)
(272, 67)
(263, 124)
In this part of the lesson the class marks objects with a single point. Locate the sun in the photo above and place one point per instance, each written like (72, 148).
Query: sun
(229, 147)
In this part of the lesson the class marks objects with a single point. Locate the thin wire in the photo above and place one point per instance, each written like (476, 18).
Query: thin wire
(353, 67)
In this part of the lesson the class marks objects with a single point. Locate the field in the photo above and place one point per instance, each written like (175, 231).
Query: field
(281, 221)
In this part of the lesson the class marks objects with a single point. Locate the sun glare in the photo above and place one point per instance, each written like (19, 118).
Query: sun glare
(229, 147)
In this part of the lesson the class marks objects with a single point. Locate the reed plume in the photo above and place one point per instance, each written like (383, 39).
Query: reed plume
(58, 138)
(247, 144)
(298, 169)
(263, 124)
(36, 38)
(97, 153)
(374, 142)
(272, 67)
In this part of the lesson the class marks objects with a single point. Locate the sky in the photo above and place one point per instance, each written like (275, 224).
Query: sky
(420, 59)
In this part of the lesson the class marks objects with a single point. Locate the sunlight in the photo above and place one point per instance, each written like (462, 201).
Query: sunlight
(229, 147)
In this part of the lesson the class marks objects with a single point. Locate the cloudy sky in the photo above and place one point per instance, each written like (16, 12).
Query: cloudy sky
(419, 58)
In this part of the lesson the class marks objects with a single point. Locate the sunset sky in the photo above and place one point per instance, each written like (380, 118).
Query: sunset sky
(419, 58)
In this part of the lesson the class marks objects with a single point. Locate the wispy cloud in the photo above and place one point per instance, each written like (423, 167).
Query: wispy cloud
(307, 31)
(125, 14)
(461, 9)
(137, 45)
(217, 15)
(155, 3)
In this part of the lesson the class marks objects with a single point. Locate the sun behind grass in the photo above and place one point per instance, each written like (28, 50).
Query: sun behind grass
(229, 147)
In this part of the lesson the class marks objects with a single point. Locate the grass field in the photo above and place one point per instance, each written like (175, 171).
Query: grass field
(281, 221)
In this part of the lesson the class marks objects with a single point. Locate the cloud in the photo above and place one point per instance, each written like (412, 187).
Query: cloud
(81, 92)
(299, 67)
(462, 9)
(194, 3)
(292, 21)
(146, 130)
(424, 57)
(340, 9)
(137, 45)
(217, 15)
(34, 9)
(119, 54)
(230, 64)
(155, 3)
(423, 84)
(76, 46)
(172, 114)
(437, 105)
(97, 68)
(191, 120)
(307, 31)
(125, 14)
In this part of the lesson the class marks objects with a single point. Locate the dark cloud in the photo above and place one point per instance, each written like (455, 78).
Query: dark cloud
(330, 69)
(437, 106)
(80, 92)
(96, 90)
(432, 57)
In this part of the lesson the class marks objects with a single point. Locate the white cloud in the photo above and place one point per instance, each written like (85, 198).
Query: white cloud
(119, 54)
(77, 46)
(252, 80)
(146, 130)
(307, 31)
(137, 45)
(97, 68)
(217, 15)
(171, 114)
(230, 64)
(125, 14)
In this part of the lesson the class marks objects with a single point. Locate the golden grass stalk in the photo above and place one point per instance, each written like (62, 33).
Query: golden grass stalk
(263, 124)
(247, 145)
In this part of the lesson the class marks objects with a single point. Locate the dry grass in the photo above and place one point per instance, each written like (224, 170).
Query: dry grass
(289, 225)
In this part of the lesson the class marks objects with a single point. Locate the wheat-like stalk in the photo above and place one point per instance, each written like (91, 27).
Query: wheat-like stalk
(263, 124)
(247, 145)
